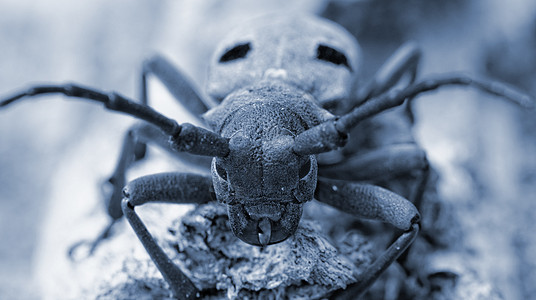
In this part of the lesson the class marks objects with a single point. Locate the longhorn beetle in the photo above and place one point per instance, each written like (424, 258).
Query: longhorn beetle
(278, 80)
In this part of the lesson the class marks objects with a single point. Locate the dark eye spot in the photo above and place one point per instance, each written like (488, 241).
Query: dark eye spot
(331, 55)
(237, 52)
(305, 168)
(221, 171)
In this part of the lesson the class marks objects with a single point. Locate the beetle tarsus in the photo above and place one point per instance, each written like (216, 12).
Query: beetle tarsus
(90, 245)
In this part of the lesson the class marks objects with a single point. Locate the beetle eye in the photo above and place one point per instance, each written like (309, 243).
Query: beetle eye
(305, 168)
(331, 55)
(221, 171)
(237, 52)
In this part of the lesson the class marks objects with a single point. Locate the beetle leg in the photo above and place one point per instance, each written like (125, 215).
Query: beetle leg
(92, 244)
(371, 202)
(356, 290)
(181, 137)
(141, 133)
(367, 201)
(176, 82)
(179, 188)
(383, 163)
(405, 60)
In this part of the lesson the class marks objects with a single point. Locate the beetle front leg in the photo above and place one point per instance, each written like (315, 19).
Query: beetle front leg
(371, 202)
(356, 290)
(179, 188)
(383, 164)
(147, 134)
(141, 133)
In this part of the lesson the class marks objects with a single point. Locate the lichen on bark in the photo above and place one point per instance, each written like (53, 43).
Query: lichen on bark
(305, 266)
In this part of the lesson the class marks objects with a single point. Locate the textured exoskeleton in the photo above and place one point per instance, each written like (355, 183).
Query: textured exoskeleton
(315, 55)
(279, 81)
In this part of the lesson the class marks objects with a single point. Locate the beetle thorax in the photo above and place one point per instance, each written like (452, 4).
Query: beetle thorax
(314, 55)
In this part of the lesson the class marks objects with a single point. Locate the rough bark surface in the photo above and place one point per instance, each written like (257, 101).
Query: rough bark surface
(305, 266)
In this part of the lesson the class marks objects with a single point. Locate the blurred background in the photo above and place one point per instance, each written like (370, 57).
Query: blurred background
(483, 147)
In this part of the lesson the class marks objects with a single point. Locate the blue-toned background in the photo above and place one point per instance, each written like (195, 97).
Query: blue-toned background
(483, 148)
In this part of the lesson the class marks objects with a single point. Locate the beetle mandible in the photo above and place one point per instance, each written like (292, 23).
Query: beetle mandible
(279, 81)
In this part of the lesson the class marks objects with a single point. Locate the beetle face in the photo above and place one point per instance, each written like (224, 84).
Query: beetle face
(312, 54)
(264, 185)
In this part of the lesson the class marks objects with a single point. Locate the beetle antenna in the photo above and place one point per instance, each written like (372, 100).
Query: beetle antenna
(185, 137)
(112, 101)
(394, 98)
(332, 134)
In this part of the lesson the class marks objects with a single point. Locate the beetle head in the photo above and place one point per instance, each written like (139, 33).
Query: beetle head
(313, 54)
(264, 185)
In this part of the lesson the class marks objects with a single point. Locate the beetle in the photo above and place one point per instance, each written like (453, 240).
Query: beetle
(288, 100)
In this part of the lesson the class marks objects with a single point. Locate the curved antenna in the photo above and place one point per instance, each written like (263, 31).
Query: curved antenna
(112, 101)
(185, 137)
(332, 134)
